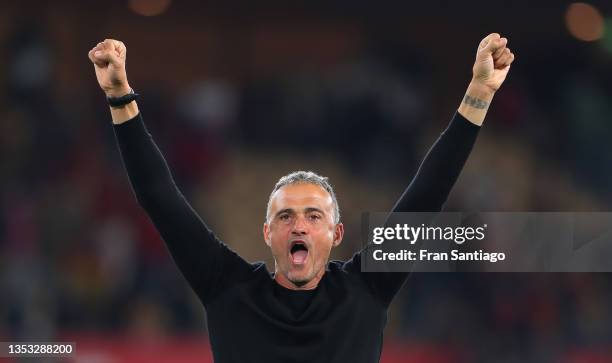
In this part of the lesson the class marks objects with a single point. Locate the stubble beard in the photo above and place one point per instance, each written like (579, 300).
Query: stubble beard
(302, 279)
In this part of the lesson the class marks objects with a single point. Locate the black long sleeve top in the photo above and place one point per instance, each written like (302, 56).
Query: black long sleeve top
(251, 318)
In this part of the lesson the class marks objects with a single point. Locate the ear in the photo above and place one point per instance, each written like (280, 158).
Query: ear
(266, 234)
(338, 234)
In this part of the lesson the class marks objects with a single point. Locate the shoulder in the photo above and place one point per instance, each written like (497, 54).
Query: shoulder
(256, 269)
(353, 265)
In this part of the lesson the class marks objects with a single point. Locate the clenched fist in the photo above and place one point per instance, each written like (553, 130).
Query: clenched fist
(108, 58)
(493, 60)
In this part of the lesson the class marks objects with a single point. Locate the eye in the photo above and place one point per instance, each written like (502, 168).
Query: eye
(284, 217)
(314, 217)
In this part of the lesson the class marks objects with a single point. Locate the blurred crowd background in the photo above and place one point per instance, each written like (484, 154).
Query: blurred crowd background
(239, 93)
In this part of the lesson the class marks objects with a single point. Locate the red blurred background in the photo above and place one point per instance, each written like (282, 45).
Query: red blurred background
(238, 94)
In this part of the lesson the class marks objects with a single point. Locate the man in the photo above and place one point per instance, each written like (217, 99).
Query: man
(309, 309)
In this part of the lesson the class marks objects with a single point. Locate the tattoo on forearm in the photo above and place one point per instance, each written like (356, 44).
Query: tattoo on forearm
(475, 102)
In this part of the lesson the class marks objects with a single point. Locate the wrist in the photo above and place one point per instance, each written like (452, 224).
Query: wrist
(479, 89)
(120, 102)
(118, 91)
(476, 101)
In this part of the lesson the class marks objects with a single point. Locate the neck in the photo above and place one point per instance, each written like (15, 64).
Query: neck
(282, 280)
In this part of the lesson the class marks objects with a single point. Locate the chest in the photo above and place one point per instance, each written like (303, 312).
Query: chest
(255, 309)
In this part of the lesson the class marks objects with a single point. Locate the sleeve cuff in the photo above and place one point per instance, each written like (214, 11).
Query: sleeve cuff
(130, 124)
(461, 126)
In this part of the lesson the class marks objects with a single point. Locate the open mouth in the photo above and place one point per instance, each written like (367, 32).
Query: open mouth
(299, 252)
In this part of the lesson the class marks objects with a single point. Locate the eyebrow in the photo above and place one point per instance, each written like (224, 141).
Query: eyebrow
(313, 209)
(291, 210)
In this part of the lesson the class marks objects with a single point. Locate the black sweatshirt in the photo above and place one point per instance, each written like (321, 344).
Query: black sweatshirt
(251, 318)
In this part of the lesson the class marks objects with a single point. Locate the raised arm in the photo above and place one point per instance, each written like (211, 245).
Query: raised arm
(206, 263)
(443, 163)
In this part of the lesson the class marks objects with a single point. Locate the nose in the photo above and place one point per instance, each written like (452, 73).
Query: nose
(299, 227)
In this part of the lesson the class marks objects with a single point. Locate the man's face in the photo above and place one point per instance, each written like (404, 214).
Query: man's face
(301, 232)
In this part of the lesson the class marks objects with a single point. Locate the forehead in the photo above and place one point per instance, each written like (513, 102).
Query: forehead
(300, 195)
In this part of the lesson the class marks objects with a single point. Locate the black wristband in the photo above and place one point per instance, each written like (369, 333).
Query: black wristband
(119, 102)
